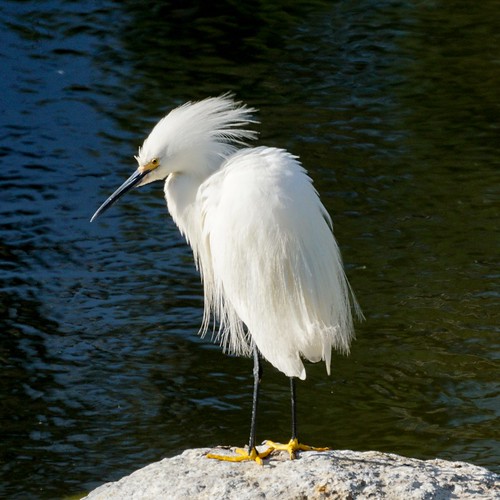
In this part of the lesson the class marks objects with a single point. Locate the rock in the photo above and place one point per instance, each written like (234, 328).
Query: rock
(313, 475)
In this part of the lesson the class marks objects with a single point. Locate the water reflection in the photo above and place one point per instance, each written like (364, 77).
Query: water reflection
(391, 107)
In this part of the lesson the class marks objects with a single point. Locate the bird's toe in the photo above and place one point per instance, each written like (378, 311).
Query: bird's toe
(292, 447)
(243, 455)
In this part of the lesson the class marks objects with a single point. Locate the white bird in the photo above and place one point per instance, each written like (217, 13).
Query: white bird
(262, 240)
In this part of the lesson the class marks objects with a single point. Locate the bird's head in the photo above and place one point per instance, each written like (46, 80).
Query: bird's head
(193, 138)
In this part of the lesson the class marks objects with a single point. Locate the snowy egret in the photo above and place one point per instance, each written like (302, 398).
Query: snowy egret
(262, 240)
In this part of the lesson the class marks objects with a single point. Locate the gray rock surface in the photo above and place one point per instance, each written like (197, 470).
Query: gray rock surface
(313, 475)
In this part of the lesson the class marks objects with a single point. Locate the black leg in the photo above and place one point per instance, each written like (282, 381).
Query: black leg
(252, 453)
(294, 407)
(257, 375)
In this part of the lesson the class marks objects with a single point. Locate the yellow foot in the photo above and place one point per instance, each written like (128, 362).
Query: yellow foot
(243, 455)
(292, 447)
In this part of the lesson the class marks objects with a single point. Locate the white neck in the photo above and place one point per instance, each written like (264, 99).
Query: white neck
(181, 189)
(180, 194)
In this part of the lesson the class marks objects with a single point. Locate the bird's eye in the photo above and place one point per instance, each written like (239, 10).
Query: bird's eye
(155, 162)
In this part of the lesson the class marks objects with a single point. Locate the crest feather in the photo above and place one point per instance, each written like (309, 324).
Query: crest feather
(217, 120)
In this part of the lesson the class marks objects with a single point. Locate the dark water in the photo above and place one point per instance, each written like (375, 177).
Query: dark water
(393, 108)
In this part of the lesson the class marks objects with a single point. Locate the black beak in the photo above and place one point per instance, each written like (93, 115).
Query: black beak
(131, 182)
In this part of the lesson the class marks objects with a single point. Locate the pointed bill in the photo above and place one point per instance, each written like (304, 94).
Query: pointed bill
(131, 182)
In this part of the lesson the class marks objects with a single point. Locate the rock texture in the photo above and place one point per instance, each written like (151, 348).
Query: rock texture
(313, 475)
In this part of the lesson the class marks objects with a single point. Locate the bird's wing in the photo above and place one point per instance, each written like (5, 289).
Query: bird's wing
(274, 263)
